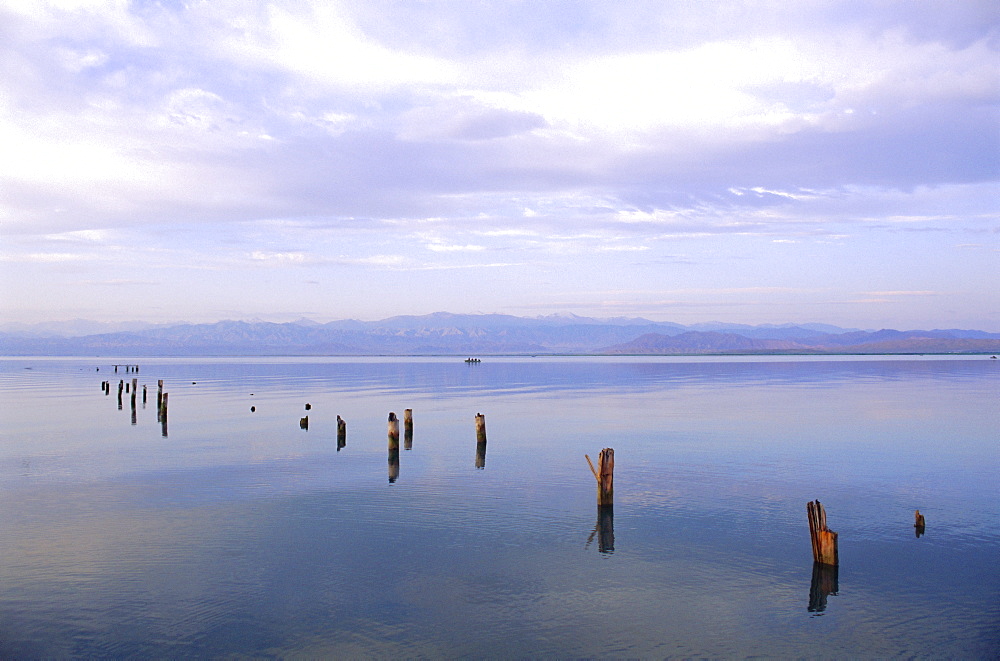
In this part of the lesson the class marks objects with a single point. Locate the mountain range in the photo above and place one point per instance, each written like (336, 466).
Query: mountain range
(483, 334)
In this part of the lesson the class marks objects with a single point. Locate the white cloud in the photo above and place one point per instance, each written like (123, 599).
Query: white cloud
(319, 41)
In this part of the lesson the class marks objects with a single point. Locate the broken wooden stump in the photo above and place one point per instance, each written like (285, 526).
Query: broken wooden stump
(393, 430)
(824, 540)
(604, 474)
(408, 429)
(918, 524)
(304, 423)
(341, 433)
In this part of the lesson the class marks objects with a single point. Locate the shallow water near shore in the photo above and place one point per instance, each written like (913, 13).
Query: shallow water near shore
(231, 532)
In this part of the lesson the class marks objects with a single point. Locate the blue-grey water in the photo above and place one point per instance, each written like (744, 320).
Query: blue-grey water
(231, 532)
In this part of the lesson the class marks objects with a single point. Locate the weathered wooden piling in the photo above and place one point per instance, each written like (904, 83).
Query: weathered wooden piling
(159, 394)
(304, 423)
(144, 395)
(824, 540)
(308, 406)
(393, 429)
(918, 523)
(408, 429)
(341, 433)
(605, 476)
(480, 428)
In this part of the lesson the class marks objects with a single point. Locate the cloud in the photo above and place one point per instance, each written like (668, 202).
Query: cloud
(314, 136)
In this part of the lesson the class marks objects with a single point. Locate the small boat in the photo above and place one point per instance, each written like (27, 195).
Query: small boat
(473, 360)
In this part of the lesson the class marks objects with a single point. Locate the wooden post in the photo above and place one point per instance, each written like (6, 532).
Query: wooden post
(159, 394)
(144, 395)
(393, 432)
(480, 428)
(135, 391)
(393, 429)
(824, 540)
(604, 474)
(304, 423)
(408, 429)
(918, 523)
(341, 433)
(121, 386)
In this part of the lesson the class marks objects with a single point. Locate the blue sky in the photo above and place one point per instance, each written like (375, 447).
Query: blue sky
(751, 162)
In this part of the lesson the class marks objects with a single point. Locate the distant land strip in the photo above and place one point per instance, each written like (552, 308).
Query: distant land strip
(444, 333)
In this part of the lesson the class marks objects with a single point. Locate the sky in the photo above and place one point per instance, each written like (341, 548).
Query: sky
(747, 162)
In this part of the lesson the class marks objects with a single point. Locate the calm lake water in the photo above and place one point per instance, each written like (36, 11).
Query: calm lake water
(231, 532)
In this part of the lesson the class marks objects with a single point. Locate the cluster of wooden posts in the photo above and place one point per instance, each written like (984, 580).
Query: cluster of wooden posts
(132, 389)
(823, 540)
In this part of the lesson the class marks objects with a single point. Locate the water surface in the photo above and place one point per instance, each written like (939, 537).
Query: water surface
(235, 532)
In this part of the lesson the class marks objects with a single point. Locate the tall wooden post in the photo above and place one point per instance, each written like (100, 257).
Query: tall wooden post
(341, 433)
(605, 475)
(918, 523)
(408, 429)
(824, 540)
(159, 394)
(393, 433)
(480, 428)
(134, 393)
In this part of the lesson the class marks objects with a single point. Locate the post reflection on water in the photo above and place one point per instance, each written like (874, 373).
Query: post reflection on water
(824, 583)
(481, 454)
(393, 464)
(604, 530)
